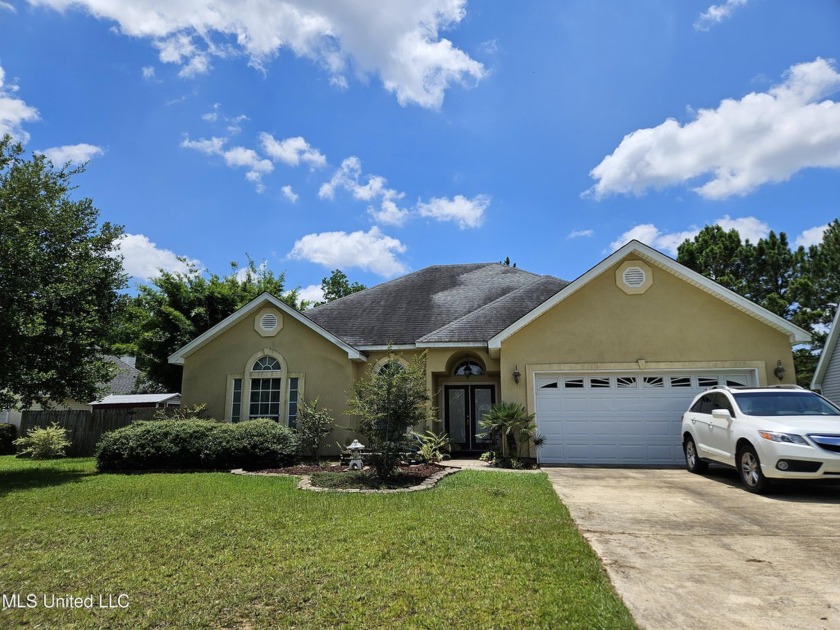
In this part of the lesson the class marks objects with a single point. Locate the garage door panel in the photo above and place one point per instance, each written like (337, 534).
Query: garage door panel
(634, 421)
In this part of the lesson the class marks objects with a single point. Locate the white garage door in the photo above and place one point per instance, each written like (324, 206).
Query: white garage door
(627, 418)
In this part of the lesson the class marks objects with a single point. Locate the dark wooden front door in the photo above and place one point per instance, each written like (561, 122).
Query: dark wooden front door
(464, 407)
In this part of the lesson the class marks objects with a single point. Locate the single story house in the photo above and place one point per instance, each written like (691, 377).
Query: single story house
(607, 363)
(827, 375)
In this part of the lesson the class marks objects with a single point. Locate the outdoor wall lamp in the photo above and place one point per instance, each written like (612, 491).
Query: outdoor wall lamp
(780, 370)
(516, 374)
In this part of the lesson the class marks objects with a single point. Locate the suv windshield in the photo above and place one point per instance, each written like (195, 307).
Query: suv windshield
(778, 403)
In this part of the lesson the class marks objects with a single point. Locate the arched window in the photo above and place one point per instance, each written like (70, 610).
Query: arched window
(393, 366)
(265, 396)
(468, 368)
(266, 364)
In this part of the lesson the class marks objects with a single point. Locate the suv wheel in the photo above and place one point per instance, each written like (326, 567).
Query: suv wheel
(693, 463)
(749, 467)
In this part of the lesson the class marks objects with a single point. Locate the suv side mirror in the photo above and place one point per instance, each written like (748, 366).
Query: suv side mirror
(722, 414)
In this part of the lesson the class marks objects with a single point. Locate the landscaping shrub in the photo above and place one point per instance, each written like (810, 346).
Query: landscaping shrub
(8, 434)
(44, 442)
(197, 445)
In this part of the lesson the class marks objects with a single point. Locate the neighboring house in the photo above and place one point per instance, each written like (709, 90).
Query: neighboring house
(608, 362)
(137, 401)
(123, 382)
(827, 375)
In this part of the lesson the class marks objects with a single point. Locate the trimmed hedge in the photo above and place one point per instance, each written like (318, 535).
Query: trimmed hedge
(197, 445)
(8, 434)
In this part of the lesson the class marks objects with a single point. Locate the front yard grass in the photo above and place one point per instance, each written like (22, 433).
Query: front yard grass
(216, 550)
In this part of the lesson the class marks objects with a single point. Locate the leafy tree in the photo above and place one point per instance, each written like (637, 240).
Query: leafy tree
(60, 275)
(337, 285)
(390, 402)
(176, 307)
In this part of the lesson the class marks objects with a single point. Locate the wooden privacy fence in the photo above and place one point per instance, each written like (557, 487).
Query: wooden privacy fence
(84, 428)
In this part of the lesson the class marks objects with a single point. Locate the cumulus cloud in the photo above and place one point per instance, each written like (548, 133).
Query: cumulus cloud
(467, 213)
(397, 40)
(14, 111)
(73, 153)
(234, 157)
(749, 228)
(311, 293)
(717, 13)
(812, 236)
(148, 72)
(290, 194)
(762, 138)
(144, 260)
(371, 251)
(368, 188)
(580, 233)
(292, 151)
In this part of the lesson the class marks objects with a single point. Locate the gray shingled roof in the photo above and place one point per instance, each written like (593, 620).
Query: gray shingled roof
(124, 379)
(445, 303)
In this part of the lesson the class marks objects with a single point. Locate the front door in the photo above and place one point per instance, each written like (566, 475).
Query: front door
(465, 406)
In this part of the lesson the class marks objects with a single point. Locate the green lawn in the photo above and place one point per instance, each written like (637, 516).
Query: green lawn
(481, 550)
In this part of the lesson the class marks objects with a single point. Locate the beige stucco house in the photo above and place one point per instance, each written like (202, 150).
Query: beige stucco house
(607, 362)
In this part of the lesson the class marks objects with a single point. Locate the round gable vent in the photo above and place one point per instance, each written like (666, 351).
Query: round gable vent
(634, 277)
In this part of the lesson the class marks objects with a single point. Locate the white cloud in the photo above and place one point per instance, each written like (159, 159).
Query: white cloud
(349, 177)
(292, 151)
(468, 213)
(812, 236)
(234, 157)
(762, 138)
(398, 40)
(371, 251)
(290, 194)
(580, 233)
(73, 153)
(148, 72)
(14, 111)
(389, 213)
(717, 13)
(144, 259)
(749, 228)
(7, 7)
(311, 293)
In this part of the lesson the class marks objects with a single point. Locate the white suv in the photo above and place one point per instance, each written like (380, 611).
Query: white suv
(764, 433)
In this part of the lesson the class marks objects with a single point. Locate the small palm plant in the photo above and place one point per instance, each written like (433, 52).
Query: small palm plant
(512, 427)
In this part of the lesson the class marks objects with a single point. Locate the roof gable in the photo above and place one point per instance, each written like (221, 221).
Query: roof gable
(650, 255)
(828, 352)
(251, 307)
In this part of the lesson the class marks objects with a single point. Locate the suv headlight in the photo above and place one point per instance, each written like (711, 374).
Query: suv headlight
(787, 438)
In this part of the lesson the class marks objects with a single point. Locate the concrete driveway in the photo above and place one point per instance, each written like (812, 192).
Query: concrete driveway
(686, 551)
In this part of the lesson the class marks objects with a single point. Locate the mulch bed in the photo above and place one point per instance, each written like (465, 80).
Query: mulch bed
(418, 472)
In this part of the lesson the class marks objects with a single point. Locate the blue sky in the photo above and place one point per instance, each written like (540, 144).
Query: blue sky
(383, 136)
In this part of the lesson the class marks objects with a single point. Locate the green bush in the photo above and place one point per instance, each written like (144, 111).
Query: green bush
(44, 442)
(197, 445)
(261, 443)
(8, 434)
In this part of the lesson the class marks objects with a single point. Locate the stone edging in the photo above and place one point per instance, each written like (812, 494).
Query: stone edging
(305, 482)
